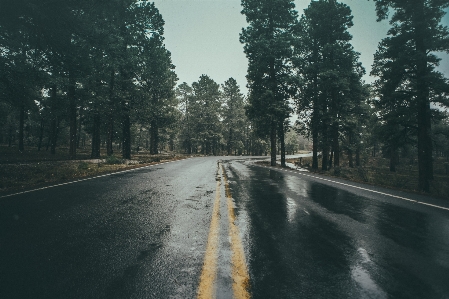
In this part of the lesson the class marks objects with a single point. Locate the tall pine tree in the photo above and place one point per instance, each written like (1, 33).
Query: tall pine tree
(268, 45)
(415, 35)
(329, 76)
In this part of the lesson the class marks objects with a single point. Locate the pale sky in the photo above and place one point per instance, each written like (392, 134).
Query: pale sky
(203, 37)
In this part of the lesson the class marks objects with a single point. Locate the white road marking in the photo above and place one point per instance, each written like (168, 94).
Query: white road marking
(82, 180)
(373, 191)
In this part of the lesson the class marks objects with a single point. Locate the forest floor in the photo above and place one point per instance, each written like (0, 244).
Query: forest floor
(376, 171)
(33, 169)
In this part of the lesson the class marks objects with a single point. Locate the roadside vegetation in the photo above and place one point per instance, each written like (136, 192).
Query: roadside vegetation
(26, 170)
(376, 171)
(106, 88)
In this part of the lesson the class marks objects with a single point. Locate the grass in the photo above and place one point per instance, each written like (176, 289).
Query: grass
(31, 168)
(375, 171)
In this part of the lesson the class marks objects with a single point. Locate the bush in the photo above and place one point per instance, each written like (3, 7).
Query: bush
(83, 166)
(113, 160)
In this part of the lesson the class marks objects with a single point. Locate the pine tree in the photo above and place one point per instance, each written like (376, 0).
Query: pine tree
(329, 75)
(234, 118)
(268, 45)
(415, 35)
(206, 107)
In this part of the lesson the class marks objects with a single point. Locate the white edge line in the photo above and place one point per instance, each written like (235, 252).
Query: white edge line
(82, 180)
(374, 191)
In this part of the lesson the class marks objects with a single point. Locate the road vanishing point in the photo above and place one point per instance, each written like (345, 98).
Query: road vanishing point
(222, 227)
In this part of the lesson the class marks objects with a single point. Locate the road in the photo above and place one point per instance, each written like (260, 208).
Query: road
(222, 227)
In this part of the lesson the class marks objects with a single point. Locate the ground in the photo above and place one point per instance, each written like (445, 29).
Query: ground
(34, 169)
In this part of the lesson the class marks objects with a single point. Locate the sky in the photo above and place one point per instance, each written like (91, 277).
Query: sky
(203, 37)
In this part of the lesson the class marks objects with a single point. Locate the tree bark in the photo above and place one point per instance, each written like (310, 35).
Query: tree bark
(21, 124)
(154, 138)
(230, 142)
(273, 143)
(425, 163)
(350, 158)
(72, 116)
(282, 139)
(392, 160)
(126, 126)
(78, 136)
(336, 146)
(54, 122)
(110, 133)
(325, 159)
(10, 135)
(315, 149)
(41, 134)
(96, 136)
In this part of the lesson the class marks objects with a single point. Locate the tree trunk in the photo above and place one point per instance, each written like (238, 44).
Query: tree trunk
(331, 158)
(54, 134)
(230, 142)
(273, 143)
(54, 123)
(48, 142)
(154, 138)
(110, 134)
(357, 157)
(96, 136)
(315, 149)
(126, 126)
(41, 134)
(425, 163)
(350, 158)
(10, 136)
(325, 159)
(72, 116)
(392, 159)
(21, 125)
(336, 146)
(78, 136)
(282, 139)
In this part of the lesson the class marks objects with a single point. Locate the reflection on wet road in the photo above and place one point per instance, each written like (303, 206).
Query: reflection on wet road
(306, 239)
(146, 234)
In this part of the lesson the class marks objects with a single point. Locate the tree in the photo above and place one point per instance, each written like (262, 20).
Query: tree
(268, 46)
(329, 76)
(184, 94)
(205, 107)
(234, 118)
(415, 34)
(106, 60)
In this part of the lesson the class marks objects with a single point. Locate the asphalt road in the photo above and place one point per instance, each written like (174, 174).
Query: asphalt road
(223, 227)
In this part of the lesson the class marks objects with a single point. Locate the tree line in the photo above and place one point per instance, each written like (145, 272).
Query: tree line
(98, 67)
(306, 64)
(97, 73)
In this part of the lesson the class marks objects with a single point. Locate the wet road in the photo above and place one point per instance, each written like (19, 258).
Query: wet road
(197, 228)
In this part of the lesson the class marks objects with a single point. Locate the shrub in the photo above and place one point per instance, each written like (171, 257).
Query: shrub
(83, 166)
(113, 160)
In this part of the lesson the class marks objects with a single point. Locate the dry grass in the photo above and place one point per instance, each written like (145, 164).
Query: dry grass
(376, 172)
(30, 169)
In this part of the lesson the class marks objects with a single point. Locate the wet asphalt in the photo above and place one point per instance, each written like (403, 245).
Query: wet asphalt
(143, 234)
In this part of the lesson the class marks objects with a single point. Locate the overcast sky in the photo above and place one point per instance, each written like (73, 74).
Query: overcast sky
(203, 37)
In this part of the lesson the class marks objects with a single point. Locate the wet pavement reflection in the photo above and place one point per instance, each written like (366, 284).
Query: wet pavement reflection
(306, 239)
(144, 234)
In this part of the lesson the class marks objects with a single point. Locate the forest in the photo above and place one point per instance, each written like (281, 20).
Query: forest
(96, 75)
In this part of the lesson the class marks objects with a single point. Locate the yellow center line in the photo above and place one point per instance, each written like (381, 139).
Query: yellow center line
(240, 276)
(206, 289)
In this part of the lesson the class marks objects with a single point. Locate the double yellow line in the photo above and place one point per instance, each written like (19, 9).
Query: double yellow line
(240, 277)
